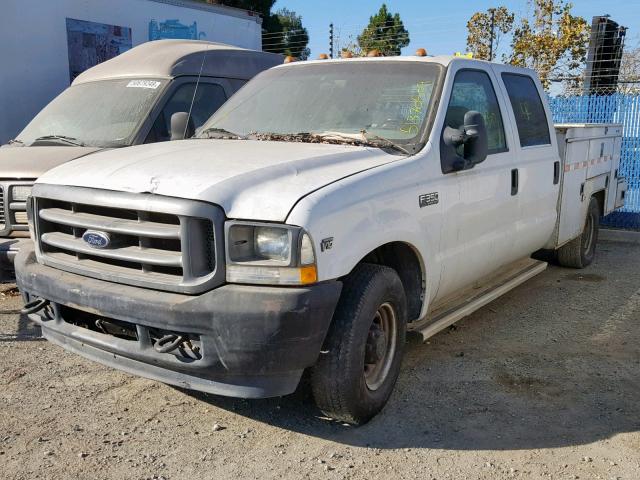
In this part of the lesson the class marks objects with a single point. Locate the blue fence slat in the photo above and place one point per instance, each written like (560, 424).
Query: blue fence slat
(617, 108)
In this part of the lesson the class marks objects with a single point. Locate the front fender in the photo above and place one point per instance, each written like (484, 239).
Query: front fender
(354, 216)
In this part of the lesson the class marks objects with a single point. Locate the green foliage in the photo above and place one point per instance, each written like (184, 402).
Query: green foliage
(287, 35)
(294, 38)
(549, 39)
(479, 31)
(553, 42)
(385, 33)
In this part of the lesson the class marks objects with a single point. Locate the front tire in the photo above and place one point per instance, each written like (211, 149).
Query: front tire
(353, 380)
(580, 252)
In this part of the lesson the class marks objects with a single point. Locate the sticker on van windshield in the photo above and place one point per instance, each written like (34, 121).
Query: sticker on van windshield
(152, 84)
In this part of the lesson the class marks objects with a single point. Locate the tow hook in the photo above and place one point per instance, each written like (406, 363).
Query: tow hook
(34, 306)
(168, 343)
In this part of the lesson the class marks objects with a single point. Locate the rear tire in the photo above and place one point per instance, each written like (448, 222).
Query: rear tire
(353, 380)
(580, 252)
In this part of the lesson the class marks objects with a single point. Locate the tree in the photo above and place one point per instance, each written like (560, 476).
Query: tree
(485, 32)
(284, 31)
(553, 42)
(385, 33)
(294, 37)
(629, 79)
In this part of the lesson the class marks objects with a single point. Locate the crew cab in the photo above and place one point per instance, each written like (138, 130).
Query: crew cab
(128, 100)
(328, 208)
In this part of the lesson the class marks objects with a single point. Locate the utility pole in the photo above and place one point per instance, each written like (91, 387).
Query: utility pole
(331, 40)
(493, 25)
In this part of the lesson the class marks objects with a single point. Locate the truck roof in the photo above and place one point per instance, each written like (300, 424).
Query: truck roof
(444, 60)
(174, 58)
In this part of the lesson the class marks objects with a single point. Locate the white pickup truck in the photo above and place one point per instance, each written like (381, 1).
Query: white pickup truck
(325, 210)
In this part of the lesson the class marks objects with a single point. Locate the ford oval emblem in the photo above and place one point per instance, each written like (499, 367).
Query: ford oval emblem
(96, 239)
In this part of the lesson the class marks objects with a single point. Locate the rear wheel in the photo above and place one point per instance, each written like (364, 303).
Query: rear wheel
(353, 380)
(581, 251)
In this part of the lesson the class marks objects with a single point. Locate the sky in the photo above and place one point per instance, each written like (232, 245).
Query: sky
(437, 26)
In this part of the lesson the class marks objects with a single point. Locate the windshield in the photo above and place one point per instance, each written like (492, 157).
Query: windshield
(387, 100)
(97, 114)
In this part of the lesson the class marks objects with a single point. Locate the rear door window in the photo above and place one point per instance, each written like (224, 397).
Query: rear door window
(531, 120)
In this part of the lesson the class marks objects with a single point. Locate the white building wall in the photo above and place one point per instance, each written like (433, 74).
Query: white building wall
(34, 59)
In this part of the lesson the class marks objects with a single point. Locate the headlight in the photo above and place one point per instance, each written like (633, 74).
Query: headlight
(19, 193)
(269, 254)
(273, 243)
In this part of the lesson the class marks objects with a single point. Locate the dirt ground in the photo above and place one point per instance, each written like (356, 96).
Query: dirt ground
(542, 383)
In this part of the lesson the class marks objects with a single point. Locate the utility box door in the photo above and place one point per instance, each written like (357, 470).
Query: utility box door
(590, 155)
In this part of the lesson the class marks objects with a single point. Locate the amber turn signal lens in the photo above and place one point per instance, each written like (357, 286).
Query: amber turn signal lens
(421, 52)
(308, 275)
(323, 56)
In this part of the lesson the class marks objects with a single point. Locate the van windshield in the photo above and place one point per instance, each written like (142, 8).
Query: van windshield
(100, 114)
(354, 102)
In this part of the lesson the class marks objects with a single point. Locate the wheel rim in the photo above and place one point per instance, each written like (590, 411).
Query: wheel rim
(588, 235)
(380, 347)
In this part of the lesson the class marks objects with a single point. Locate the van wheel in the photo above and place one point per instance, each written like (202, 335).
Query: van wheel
(353, 380)
(580, 251)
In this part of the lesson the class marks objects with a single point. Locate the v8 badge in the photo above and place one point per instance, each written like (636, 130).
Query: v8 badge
(326, 244)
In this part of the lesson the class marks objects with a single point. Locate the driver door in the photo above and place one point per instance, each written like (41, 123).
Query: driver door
(482, 229)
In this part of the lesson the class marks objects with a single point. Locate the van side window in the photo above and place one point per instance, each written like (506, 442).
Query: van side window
(473, 90)
(533, 127)
(209, 97)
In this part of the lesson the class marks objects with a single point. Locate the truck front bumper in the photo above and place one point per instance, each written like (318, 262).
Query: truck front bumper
(253, 341)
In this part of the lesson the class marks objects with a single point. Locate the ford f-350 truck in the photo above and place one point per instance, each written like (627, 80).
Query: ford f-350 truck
(325, 210)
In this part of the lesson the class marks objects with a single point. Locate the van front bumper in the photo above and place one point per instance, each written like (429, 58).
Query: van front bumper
(9, 248)
(254, 341)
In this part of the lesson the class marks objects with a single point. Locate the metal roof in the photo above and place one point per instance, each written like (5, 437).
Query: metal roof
(174, 58)
(214, 8)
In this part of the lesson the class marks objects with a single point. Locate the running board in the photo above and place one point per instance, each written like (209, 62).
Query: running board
(464, 305)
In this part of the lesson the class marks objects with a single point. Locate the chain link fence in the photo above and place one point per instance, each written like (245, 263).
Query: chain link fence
(610, 107)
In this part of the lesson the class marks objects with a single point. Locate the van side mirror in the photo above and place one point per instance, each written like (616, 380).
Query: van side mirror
(472, 136)
(182, 126)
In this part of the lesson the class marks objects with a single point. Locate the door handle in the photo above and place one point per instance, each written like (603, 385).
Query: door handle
(514, 181)
(556, 172)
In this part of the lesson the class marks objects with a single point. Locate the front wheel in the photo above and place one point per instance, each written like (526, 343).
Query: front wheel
(354, 378)
(581, 251)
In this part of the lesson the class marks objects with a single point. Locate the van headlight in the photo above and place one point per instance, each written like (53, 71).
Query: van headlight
(19, 193)
(264, 253)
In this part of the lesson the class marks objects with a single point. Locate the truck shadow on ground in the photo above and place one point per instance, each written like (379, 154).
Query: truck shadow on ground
(514, 375)
(25, 331)
(506, 410)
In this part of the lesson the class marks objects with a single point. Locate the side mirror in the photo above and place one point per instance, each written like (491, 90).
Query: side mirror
(472, 136)
(181, 126)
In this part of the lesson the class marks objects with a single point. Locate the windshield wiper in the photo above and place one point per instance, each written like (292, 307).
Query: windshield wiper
(62, 138)
(363, 138)
(338, 138)
(221, 133)
(15, 140)
(382, 142)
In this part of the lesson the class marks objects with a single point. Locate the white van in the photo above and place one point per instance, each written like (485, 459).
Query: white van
(129, 100)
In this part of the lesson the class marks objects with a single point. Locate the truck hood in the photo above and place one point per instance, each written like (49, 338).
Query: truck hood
(31, 162)
(249, 179)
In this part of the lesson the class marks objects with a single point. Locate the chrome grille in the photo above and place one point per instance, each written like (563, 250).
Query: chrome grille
(13, 212)
(157, 242)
